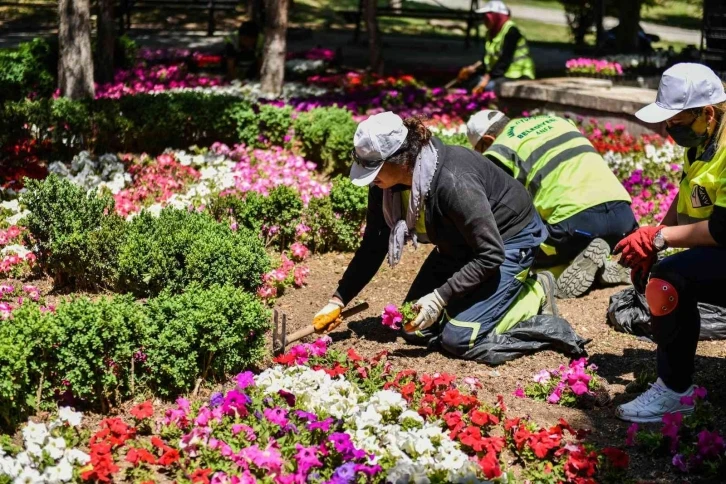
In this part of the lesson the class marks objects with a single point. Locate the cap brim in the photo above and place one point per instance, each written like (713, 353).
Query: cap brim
(362, 176)
(483, 10)
(653, 113)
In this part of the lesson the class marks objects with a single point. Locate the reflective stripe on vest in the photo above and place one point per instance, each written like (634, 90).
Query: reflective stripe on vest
(558, 165)
(522, 64)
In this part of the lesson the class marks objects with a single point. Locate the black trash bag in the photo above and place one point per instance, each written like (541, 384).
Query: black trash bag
(628, 313)
(534, 334)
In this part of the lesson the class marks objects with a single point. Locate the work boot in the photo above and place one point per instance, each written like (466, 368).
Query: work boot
(613, 274)
(579, 276)
(548, 283)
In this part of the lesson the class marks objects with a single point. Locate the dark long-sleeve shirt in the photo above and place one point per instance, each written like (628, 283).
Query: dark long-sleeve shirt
(471, 209)
(509, 46)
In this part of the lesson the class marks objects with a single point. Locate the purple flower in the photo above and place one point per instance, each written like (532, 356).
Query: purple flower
(216, 399)
(700, 393)
(370, 471)
(323, 425)
(235, 403)
(302, 414)
(276, 416)
(345, 473)
(246, 379)
(341, 441)
(632, 433)
(710, 444)
(680, 462)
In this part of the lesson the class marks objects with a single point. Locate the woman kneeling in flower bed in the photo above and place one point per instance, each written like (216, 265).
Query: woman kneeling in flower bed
(483, 224)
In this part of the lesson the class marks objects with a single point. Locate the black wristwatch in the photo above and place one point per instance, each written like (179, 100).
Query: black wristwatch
(659, 242)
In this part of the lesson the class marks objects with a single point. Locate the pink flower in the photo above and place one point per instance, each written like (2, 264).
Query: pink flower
(710, 444)
(301, 273)
(687, 400)
(632, 432)
(579, 388)
(519, 392)
(6, 289)
(391, 316)
(554, 397)
(542, 377)
(700, 393)
(276, 416)
(680, 462)
(267, 292)
(299, 251)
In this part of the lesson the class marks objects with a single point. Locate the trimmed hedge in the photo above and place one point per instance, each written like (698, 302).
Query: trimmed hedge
(98, 354)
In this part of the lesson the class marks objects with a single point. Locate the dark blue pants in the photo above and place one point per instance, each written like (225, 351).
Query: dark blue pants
(469, 320)
(699, 275)
(610, 221)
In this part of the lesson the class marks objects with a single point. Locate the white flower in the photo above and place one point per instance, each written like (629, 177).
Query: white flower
(63, 472)
(55, 447)
(10, 467)
(77, 457)
(69, 416)
(20, 250)
(28, 476)
(35, 433)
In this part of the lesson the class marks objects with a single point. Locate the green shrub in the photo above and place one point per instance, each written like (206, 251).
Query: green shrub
(349, 200)
(330, 231)
(261, 125)
(29, 69)
(76, 235)
(26, 352)
(96, 348)
(180, 247)
(458, 139)
(282, 207)
(326, 136)
(202, 334)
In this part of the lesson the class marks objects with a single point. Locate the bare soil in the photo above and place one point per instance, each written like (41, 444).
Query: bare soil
(617, 355)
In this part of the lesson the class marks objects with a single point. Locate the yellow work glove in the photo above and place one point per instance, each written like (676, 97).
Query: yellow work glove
(328, 318)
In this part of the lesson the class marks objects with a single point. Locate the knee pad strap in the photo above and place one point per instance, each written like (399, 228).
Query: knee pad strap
(662, 297)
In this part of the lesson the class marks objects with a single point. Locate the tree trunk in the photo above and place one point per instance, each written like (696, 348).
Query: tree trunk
(273, 57)
(629, 25)
(374, 37)
(106, 41)
(75, 64)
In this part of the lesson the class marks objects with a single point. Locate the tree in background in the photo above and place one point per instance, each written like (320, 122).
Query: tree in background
(106, 41)
(75, 63)
(374, 37)
(273, 57)
(580, 17)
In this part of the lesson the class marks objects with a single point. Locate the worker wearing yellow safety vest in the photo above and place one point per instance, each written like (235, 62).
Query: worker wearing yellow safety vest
(585, 207)
(506, 53)
(691, 101)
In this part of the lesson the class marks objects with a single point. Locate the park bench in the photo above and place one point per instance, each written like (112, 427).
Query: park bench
(422, 12)
(210, 7)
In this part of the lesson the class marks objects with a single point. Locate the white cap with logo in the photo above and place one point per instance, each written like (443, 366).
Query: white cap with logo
(683, 86)
(494, 6)
(375, 140)
(479, 124)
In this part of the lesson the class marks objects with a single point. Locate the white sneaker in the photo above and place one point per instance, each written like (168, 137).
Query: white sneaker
(651, 405)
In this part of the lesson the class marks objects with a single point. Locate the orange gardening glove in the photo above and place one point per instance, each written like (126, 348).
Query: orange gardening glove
(328, 318)
(637, 247)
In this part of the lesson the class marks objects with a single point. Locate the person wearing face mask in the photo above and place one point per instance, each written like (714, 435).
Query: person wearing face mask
(584, 206)
(476, 281)
(506, 53)
(691, 101)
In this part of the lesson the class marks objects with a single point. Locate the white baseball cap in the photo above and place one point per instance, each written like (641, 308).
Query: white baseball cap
(683, 86)
(494, 6)
(479, 124)
(375, 140)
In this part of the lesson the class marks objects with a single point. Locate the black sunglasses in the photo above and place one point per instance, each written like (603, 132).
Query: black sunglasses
(374, 163)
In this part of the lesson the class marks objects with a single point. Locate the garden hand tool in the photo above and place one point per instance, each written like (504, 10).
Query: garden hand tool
(280, 338)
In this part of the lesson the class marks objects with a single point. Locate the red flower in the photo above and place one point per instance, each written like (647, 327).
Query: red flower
(483, 419)
(286, 359)
(157, 442)
(580, 464)
(543, 442)
(490, 465)
(471, 437)
(337, 370)
(142, 411)
(353, 356)
(500, 403)
(135, 456)
(618, 458)
(169, 457)
(511, 423)
(494, 444)
(201, 476)
(454, 422)
(408, 390)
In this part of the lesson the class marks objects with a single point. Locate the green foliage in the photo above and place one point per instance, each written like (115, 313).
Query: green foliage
(26, 70)
(282, 207)
(181, 247)
(97, 343)
(326, 136)
(125, 52)
(457, 139)
(350, 201)
(26, 343)
(330, 231)
(76, 234)
(262, 125)
(205, 334)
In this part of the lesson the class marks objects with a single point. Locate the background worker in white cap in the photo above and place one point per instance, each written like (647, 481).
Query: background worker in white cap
(585, 207)
(482, 222)
(506, 53)
(691, 100)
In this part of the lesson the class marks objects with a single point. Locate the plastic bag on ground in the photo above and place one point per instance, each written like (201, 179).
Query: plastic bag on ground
(628, 313)
(534, 334)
